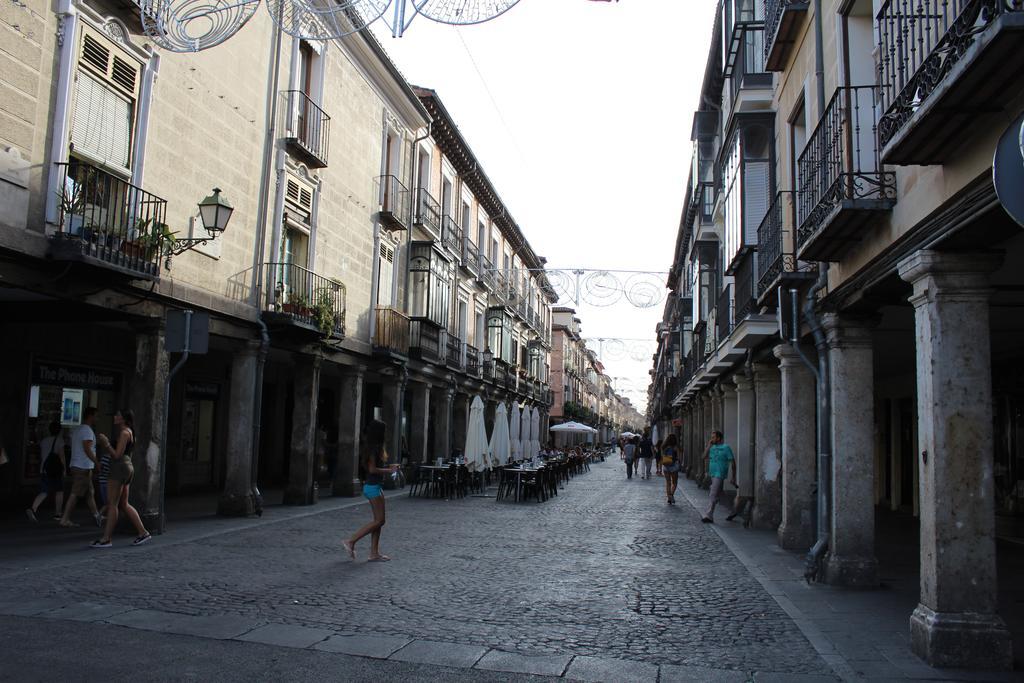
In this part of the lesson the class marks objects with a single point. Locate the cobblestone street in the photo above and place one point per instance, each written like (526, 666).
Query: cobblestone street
(606, 569)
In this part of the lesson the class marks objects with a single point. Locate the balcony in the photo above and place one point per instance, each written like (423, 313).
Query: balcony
(106, 221)
(500, 374)
(395, 200)
(723, 316)
(454, 355)
(470, 255)
(472, 360)
(941, 65)
(486, 276)
(307, 129)
(391, 334)
(299, 300)
(781, 24)
(451, 236)
(426, 341)
(842, 185)
(428, 212)
(748, 71)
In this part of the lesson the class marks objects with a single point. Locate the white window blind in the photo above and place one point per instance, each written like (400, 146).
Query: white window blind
(385, 270)
(102, 123)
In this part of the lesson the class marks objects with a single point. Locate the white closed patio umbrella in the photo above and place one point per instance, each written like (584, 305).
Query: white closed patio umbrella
(477, 447)
(524, 434)
(516, 446)
(534, 432)
(501, 448)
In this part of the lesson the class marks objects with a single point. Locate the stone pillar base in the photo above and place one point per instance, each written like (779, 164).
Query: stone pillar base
(230, 505)
(853, 572)
(153, 521)
(308, 497)
(796, 536)
(347, 489)
(961, 639)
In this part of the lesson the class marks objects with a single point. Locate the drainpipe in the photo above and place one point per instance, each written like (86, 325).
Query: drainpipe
(824, 436)
(261, 240)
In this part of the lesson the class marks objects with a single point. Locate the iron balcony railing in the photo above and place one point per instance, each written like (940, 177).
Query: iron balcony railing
(919, 43)
(308, 127)
(454, 355)
(426, 337)
(840, 162)
(451, 235)
(305, 298)
(723, 315)
(487, 272)
(775, 242)
(391, 333)
(472, 360)
(428, 211)
(395, 202)
(500, 373)
(470, 254)
(106, 218)
(744, 288)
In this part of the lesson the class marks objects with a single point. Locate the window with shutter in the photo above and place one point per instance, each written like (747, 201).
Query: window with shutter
(106, 90)
(385, 275)
(299, 201)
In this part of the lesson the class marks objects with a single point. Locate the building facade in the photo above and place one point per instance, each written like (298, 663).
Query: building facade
(337, 293)
(843, 293)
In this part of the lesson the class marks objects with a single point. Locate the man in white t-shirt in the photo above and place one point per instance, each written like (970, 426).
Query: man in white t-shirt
(83, 460)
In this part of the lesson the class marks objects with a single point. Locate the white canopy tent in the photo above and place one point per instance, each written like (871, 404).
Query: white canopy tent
(478, 450)
(573, 428)
(500, 446)
(516, 445)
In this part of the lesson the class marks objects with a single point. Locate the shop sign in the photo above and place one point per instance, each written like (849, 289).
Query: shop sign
(63, 375)
(195, 389)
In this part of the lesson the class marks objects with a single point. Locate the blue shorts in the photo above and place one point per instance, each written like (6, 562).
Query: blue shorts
(371, 491)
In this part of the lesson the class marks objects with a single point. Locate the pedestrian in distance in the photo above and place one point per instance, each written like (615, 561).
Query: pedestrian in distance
(657, 457)
(719, 463)
(119, 479)
(629, 455)
(373, 458)
(670, 465)
(51, 473)
(83, 461)
(647, 454)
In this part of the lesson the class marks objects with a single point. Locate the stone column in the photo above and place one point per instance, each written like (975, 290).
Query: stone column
(444, 408)
(392, 411)
(419, 423)
(701, 438)
(851, 559)
(743, 449)
(460, 421)
(350, 424)
(799, 450)
(300, 489)
(767, 447)
(146, 398)
(729, 407)
(237, 499)
(955, 624)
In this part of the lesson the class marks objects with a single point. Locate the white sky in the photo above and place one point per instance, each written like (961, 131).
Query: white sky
(580, 114)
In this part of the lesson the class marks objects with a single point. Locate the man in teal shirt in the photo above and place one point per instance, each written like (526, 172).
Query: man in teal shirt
(719, 463)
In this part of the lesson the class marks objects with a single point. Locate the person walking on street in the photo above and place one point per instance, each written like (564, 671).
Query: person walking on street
(373, 462)
(657, 457)
(670, 465)
(119, 478)
(83, 461)
(647, 453)
(719, 462)
(629, 455)
(51, 473)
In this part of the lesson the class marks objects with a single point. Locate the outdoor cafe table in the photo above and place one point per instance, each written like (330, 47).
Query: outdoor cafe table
(437, 472)
(519, 476)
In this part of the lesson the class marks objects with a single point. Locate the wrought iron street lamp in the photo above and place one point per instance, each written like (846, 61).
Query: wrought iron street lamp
(214, 212)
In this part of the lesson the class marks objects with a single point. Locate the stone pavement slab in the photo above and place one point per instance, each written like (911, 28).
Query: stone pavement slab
(30, 607)
(514, 662)
(376, 647)
(85, 611)
(768, 677)
(603, 669)
(440, 654)
(671, 673)
(221, 626)
(286, 635)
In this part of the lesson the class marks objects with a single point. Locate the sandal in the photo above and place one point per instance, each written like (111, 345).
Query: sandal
(142, 539)
(100, 543)
(69, 525)
(379, 558)
(348, 545)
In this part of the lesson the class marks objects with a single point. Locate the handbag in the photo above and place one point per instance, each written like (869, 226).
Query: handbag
(52, 467)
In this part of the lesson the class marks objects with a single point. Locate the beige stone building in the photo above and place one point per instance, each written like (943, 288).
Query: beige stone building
(842, 191)
(341, 290)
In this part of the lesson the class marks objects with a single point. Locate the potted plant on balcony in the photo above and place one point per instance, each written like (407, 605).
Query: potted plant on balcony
(323, 310)
(296, 304)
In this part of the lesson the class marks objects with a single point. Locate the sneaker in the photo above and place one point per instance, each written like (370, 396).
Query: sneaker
(30, 513)
(99, 543)
(99, 519)
(142, 539)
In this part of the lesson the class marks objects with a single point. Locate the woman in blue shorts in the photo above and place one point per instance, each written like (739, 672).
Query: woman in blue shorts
(373, 464)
